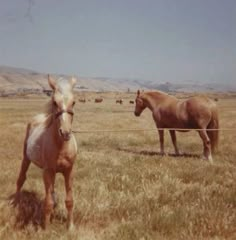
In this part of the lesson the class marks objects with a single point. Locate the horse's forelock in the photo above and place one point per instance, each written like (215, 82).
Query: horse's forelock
(63, 91)
(64, 87)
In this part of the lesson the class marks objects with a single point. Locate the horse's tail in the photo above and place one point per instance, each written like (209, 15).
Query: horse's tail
(214, 134)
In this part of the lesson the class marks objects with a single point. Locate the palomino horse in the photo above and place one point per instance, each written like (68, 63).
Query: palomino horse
(194, 113)
(50, 144)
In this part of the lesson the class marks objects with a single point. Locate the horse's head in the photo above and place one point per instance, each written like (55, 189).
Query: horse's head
(140, 105)
(62, 106)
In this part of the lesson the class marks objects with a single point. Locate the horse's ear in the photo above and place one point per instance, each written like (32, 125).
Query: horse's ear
(52, 82)
(73, 82)
(138, 93)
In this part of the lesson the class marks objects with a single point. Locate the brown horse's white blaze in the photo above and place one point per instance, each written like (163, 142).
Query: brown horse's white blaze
(193, 113)
(50, 144)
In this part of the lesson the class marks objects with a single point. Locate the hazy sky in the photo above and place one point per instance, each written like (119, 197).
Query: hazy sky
(161, 40)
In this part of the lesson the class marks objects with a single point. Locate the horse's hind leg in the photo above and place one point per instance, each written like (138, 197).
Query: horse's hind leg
(206, 145)
(173, 138)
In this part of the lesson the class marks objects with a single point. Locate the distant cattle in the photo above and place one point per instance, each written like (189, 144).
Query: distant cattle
(120, 101)
(82, 100)
(48, 92)
(98, 100)
(131, 102)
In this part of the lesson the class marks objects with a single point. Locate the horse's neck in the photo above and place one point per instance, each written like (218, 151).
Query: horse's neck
(47, 123)
(153, 101)
(55, 137)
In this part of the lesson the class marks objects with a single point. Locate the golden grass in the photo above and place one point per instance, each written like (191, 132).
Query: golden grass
(123, 189)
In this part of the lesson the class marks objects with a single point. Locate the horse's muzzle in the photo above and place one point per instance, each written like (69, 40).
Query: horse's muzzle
(137, 114)
(65, 135)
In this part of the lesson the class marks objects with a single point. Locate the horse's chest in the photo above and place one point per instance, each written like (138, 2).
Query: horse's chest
(65, 160)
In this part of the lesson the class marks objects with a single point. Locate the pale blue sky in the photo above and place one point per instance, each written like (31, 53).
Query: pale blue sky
(161, 40)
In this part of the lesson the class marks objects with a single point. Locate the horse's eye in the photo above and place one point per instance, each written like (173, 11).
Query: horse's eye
(140, 102)
(54, 103)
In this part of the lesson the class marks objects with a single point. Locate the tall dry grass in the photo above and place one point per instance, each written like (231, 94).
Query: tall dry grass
(123, 189)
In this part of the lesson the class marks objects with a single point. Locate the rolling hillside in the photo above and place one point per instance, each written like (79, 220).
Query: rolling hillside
(17, 80)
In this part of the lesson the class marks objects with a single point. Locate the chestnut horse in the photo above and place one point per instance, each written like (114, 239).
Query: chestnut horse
(197, 112)
(50, 144)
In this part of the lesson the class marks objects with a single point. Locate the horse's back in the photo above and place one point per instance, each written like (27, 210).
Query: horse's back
(200, 104)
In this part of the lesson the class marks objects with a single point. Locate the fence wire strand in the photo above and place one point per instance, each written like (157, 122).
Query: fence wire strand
(151, 129)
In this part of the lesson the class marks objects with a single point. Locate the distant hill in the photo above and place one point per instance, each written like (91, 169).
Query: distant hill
(17, 80)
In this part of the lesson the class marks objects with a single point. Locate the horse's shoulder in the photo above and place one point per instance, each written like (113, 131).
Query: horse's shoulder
(39, 119)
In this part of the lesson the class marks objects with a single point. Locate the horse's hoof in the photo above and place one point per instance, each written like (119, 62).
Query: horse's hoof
(178, 154)
(210, 159)
(70, 227)
(163, 154)
(55, 202)
(14, 199)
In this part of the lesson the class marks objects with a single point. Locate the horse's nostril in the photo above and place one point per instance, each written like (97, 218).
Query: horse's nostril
(67, 136)
(61, 132)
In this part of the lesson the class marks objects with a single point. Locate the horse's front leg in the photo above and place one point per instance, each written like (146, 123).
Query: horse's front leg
(49, 178)
(22, 175)
(69, 197)
(24, 164)
(161, 138)
(174, 141)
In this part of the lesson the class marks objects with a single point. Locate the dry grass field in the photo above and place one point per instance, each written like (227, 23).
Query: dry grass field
(123, 189)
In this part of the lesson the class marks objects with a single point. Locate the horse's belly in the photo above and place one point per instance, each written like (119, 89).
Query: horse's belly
(34, 145)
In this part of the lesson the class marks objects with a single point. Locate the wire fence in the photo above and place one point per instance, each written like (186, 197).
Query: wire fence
(130, 109)
(151, 129)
